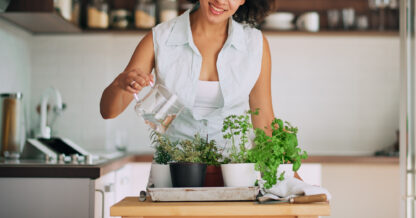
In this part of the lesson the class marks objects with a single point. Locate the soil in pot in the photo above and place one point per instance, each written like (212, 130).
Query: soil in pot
(213, 177)
(188, 174)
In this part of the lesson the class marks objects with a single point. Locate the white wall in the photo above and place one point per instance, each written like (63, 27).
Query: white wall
(81, 66)
(342, 92)
(15, 62)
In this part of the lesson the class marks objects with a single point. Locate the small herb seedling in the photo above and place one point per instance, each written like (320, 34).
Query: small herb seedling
(237, 128)
(161, 142)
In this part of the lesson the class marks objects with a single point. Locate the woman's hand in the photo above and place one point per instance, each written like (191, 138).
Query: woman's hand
(133, 80)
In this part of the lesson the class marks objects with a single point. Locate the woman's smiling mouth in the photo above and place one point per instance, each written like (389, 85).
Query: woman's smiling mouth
(215, 10)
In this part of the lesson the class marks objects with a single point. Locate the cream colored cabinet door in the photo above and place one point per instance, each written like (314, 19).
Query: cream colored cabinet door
(105, 195)
(123, 182)
(139, 175)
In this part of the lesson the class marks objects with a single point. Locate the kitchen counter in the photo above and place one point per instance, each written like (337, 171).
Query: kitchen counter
(37, 168)
(352, 159)
(132, 207)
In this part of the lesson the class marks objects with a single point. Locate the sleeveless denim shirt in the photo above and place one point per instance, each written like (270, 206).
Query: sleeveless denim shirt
(178, 65)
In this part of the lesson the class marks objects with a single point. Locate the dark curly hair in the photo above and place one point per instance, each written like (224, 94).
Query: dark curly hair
(251, 12)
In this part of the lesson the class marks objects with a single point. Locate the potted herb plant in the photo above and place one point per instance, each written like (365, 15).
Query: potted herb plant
(160, 171)
(212, 156)
(271, 152)
(187, 168)
(237, 169)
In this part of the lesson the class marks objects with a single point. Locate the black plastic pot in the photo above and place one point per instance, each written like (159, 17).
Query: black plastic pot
(188, 174)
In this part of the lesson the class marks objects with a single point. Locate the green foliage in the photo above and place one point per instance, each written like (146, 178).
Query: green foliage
(235, 127)
(161, 142)
(271, 151)
(210, 154)
(196, 150)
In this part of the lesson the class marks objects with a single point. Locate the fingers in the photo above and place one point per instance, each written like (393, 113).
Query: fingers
(142, 78)
(134, 80)
(131, 90)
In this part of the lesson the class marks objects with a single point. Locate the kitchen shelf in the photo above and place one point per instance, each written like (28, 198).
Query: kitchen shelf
(40, 17)
(41, 22)
(371, 33)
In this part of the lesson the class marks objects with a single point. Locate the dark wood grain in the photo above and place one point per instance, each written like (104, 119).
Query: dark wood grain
(30, 6)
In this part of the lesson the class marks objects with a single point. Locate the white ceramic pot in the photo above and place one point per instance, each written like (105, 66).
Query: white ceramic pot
(287, 168)
(160, 175)
(239, 175)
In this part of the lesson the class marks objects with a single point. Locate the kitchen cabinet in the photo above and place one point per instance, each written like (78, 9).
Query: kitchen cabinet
(25, 194)
(38, 17)
(105, 194)
(123, 182)
(46, 197)
(131, 179)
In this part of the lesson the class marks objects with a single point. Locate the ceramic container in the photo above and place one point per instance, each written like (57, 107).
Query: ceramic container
(239, 175)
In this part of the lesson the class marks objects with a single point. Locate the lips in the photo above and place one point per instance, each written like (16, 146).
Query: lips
(215, 9)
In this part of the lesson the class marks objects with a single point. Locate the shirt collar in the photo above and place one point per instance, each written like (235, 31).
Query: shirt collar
(182, 34)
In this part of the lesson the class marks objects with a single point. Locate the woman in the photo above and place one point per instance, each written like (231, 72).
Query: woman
(214, 64)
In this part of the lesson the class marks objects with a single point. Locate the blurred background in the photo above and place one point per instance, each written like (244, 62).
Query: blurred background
(335, 75)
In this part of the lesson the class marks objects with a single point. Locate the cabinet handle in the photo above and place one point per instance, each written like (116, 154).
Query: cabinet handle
(102, 199)
(109, 187)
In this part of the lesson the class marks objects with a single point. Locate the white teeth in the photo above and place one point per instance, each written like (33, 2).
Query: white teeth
(216, 9)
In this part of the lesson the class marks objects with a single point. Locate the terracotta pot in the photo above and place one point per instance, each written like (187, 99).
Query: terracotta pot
(213, 178)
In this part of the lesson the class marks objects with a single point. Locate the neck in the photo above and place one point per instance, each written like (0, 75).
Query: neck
(199, 25)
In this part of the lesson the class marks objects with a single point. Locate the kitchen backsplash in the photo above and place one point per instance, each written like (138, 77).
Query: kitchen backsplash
(15, 61)
(341, 91)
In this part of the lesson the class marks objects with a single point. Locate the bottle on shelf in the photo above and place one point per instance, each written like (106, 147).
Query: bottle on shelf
(168, 9)
(97, 14)
(145, 14)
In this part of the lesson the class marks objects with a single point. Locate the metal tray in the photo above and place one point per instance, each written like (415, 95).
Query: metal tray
(204, 194)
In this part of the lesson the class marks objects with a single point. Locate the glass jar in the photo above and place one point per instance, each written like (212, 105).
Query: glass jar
(98, 14)
(168, 9)
(145, 14)
(120, 18)
(76, 12)
(12, 125)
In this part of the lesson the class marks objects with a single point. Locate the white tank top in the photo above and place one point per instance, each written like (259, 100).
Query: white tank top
(208, 97)
(178, 65)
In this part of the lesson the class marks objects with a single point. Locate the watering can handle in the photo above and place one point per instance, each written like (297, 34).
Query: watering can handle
(135, 94)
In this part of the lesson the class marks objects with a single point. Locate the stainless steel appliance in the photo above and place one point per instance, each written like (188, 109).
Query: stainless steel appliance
(407, 108)
(12, 125)
(53, 149)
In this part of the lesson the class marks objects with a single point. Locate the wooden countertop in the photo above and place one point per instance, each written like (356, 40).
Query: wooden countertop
(352, 160)
(132, 207)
